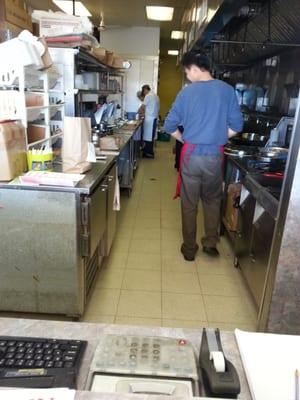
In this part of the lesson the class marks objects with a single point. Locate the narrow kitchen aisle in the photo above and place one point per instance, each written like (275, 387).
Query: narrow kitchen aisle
(145, 279)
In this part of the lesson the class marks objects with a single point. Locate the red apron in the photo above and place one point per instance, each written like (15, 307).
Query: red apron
(187, 150)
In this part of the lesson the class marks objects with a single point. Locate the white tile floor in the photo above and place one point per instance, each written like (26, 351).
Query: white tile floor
(145, 279)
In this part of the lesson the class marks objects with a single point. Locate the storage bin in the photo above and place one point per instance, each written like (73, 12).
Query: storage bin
(34, 99)
(35, 133)
(40, 162)
(163, 137)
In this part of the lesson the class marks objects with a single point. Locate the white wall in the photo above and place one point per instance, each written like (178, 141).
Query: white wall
(140, 45)
(136, 41)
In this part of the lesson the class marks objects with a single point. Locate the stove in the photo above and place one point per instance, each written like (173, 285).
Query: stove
(257, 165)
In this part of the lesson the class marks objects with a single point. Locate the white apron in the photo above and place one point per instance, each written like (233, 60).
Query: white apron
(148, 129)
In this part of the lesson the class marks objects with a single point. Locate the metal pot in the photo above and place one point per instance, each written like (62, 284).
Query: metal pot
(272, 153)
(253, 137)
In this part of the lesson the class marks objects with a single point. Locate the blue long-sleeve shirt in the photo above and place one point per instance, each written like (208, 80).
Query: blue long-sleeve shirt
(206, 110)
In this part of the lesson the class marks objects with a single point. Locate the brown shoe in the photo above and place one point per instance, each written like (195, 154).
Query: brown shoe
(189, 257)
(211, 251)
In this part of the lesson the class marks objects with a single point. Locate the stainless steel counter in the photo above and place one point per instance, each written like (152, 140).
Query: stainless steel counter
(92, 332)
(53, 239)
(256, 217)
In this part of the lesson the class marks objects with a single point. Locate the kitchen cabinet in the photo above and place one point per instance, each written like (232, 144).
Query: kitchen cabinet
(57, 235)
(111, 214)
(255, 271)
(244, 227)
(253, 241)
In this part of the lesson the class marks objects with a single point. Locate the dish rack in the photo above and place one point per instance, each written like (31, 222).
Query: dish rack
(36, 98)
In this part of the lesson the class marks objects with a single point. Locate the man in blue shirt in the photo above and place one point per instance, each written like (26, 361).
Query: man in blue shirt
(209, 113)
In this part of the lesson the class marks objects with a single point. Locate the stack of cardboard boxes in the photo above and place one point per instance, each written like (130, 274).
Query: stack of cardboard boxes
(13, 19)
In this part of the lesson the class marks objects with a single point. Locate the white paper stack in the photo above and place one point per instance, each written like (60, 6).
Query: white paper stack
(50, 178)
(37, 394)
(270, 362)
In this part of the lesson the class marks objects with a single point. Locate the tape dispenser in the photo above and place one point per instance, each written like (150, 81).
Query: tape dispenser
(219, 376)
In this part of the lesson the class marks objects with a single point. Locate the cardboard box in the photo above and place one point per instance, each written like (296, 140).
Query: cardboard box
(118, 62)
(12, 12)
(34, 99)
(58, 26)
(109, 58)
(231, 213)
(99, 53)
(46, 58)
(8, 31)
(13, 150)
(35, 133)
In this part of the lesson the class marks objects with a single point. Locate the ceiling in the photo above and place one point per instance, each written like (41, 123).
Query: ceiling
(129, 13)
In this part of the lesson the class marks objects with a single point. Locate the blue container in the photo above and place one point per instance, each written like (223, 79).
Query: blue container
(131, 116)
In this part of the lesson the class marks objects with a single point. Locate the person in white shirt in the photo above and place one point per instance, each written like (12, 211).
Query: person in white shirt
(151, 110)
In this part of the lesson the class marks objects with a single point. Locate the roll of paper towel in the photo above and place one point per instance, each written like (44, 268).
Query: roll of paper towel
(218, 360)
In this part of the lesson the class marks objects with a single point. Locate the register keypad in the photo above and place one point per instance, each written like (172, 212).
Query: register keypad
(145, 355)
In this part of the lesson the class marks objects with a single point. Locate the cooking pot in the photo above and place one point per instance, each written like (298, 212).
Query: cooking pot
(272, 153)
(253, 137)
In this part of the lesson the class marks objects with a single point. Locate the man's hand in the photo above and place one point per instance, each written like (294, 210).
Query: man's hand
(177, 135)
(141, 110)
(231, 133)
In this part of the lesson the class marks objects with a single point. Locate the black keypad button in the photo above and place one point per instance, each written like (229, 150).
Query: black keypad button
(11, 349)
(68, 364)
(39, 363)
(29, 363)
(49, 364)
(58, 364)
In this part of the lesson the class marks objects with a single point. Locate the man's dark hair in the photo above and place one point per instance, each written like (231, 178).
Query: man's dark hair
(147, 87)
(199, 59)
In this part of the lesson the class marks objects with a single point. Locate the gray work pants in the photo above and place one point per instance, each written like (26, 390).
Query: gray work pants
(201, 179)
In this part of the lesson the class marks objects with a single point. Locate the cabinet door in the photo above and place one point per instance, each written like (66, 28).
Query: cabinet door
(263, 230)
(244, 225)
(97, 217)
(111, 214)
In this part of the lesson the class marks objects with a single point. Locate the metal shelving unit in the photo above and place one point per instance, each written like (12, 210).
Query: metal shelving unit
(78, 61)
(22, 82)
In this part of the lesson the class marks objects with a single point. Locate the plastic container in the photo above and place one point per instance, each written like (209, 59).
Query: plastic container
(163, 137)
(40, 162)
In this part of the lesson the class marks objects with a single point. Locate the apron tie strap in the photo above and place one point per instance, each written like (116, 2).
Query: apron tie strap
(189, 147)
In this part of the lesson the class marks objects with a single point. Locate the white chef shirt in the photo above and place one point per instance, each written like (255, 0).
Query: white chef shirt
(151, 103)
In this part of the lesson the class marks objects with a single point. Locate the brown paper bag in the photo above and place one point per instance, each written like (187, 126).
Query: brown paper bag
(12, 150)
(77, 135)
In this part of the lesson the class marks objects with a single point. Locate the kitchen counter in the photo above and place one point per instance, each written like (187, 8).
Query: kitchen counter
(92, 177)
(91, 333)
(60, 236)
(85, 186)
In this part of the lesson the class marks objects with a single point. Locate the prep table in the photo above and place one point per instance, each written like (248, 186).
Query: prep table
(92, 333)
(59, 236)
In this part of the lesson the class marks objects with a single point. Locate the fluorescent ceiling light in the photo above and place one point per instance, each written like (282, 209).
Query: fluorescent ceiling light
(173, 52)
(160, 13)
(67, 7)
(177, 35)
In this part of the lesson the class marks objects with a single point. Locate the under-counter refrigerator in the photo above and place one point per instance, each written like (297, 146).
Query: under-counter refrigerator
(52, 241)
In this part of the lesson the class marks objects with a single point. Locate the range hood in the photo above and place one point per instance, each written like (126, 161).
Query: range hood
(238, 41)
